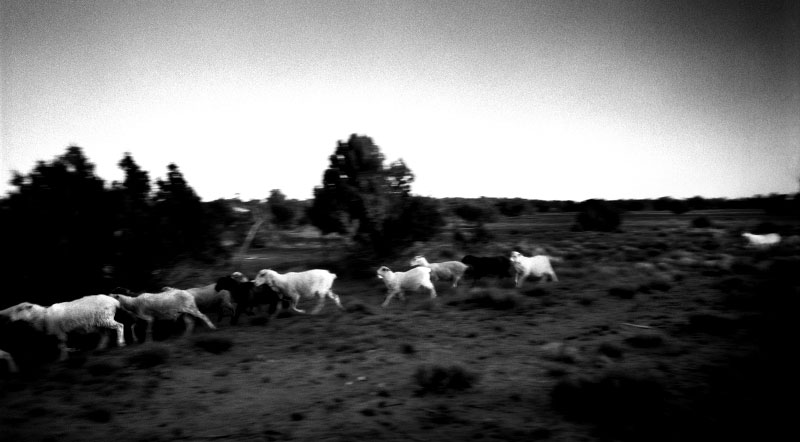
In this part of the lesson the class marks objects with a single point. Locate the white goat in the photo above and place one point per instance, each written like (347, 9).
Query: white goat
(525, 266)
(762, 241)
(446, 271)
(12, 366)
(169, 304)
(88, 314)
(399, 282)
(314, 283)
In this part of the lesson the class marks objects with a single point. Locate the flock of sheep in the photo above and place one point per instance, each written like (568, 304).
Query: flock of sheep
(237, 294)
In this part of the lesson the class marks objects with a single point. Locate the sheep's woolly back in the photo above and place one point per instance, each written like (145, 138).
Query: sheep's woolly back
(207, 298)
(408, 280)
(165, 305)
(85, 314)
(442, 270)
(305, 283)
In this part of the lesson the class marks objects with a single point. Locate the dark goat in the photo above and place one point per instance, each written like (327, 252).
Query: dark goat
(480, 266)
(247, 295)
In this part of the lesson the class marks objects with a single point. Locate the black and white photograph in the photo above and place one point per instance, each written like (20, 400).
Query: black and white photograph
(399, 220)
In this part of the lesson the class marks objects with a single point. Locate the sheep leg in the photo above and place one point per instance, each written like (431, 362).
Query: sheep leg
(553, 276)
(120, 333)
(432, 289)
(198, 314)
(295, 299)
(389, 297)
(149, 331)
(103, 340)
(189, 321)
(12, 367)
(320, 304)
(336, 299)
(62, 346)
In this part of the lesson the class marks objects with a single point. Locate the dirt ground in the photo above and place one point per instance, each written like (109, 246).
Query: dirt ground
(660, 332)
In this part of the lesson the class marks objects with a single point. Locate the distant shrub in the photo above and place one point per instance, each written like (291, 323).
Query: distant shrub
(610, 349)
(408, 349)
(100, 415)
(487, 299)
(622, 292)
(645, 339)
(213, 344)
(149, 357)
(659, 285)
(440, 379)
(102, 368)
(360, 307)
(701, 222)
(597, 215)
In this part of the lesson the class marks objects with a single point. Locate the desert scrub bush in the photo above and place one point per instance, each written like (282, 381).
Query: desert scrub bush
(623, 291)
(149, 357)
(102, 368)
(701, 222)
(659, 285)
(645, 339)
(356, 306)
(597, 215)
(441, 379)
(626, 402)
(212, 344)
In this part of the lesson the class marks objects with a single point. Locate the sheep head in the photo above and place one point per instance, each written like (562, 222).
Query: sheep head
(418, 260)
(383, 271)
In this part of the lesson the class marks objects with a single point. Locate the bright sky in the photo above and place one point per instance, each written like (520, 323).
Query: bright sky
(533, 99)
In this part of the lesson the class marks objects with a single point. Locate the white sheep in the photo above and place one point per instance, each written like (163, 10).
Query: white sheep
(446, 271)
(12, 366)
(762, 241)
(168, 304)
(315, 283)
(399, 282)
(87, 314)
(525, 266)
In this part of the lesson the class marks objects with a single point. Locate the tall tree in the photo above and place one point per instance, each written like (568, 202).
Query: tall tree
(179, 215)
(58, 214)
(360, 194)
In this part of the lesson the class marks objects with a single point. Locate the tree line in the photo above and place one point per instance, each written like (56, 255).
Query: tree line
(68, 233)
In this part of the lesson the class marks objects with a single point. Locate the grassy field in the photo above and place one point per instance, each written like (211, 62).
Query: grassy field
(659, 332)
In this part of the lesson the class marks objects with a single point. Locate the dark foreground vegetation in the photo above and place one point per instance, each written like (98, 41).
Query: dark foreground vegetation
(663, 327)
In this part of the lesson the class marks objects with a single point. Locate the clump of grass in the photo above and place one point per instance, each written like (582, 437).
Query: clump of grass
(610, 349)
(488, 299)
(213, 344)
(660, 285)
(360, 307)
(100, 415)
(701, 222)
(102, 368)
(645, 339)
(440, 379)
(149, 357)
(622, 292)
(408, 349)
(560, 352)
